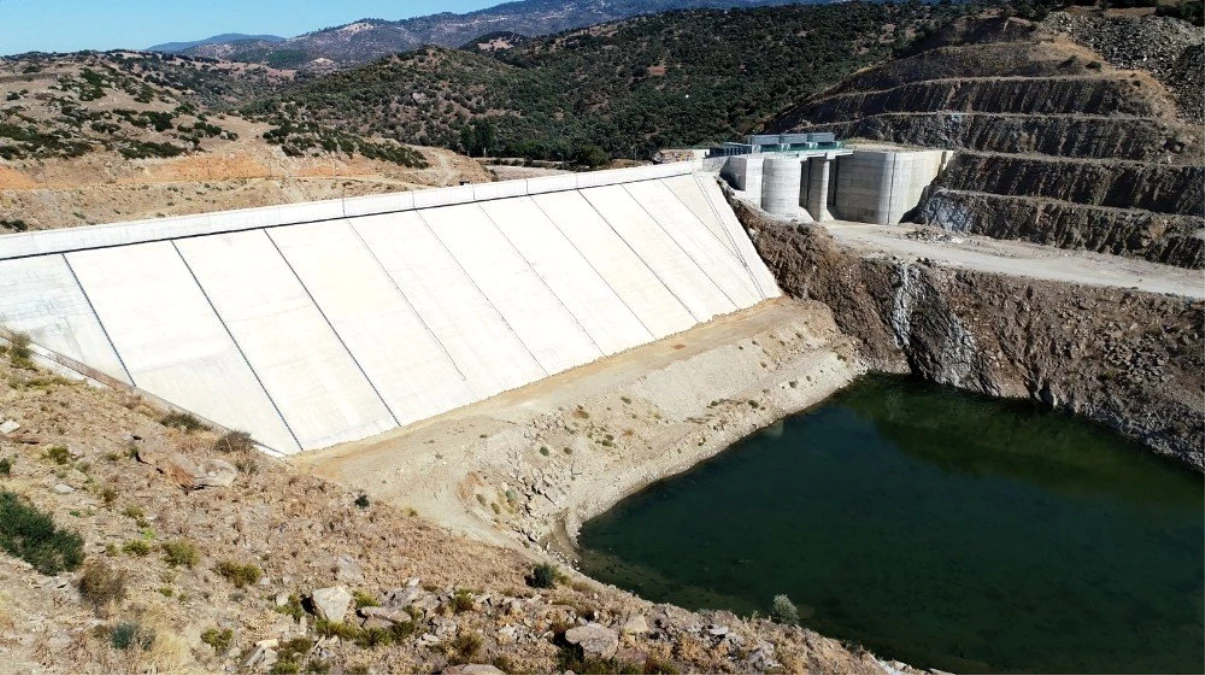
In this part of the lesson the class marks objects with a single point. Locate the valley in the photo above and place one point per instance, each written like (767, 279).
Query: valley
(403, 346)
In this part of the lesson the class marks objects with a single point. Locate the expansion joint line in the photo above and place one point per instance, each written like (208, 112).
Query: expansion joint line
(542, 280)
(100, 322)
(239, 348)
(334, 331)
(601, 278)
(406, 300)
(736, 248)
(482, 293)
(642, 260)
(678, 245)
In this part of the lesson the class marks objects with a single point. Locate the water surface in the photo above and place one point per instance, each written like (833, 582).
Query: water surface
(936, 527)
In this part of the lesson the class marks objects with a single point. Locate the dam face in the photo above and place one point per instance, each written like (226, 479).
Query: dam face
(313, 324)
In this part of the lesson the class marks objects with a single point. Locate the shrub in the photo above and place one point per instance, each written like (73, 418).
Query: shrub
(337, 629)
(6, 467)
(371, 638)
(783, 610)
(284, 668)
(184, 421)
(294, 650)
(220, 640)
(234, 441)
(136, 547)
(31, 535)
(19, 353)
(362, 501)
(543, 576)
(239, 574)
(59, 455)
(180, 553)
(292, 608)
(129, 634)
(462, 601)
(464, 647)
(365, 599)
(101, 584)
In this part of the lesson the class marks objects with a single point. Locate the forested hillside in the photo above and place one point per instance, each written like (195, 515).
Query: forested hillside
(617, 90)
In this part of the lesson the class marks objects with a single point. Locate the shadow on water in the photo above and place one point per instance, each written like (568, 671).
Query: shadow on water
(943, 529)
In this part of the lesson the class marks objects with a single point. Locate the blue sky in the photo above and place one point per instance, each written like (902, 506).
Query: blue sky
(72, 25)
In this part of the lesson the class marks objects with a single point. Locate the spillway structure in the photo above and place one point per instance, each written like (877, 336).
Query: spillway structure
(309, 325)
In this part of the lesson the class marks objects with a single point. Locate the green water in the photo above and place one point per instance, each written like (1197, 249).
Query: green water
(942, 529)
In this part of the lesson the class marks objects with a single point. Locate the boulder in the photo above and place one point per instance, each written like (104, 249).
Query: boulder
(347, 570)
(8, 427)
(186, 473)
(331, 603)
(635, 625)
(596, 641)
(388, 614)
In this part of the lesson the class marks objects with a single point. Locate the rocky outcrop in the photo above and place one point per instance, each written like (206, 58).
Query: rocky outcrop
(1171, 239)
(1068, 147)
(1157, 188)
(1129, 95)
(1167, 48)
(1083, 137)
(1130, 360)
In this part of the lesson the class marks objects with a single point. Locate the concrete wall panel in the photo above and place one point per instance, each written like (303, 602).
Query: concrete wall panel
(719, 263)
(410, 369)
(762, 277)
(321, 391)
(426, 199)
(687, 190)
(595, 305)
(472, 330)
(538, 317)
(545, 184)
(649, 299)
(682, 275)
(501, 190)
(172, 341)
(40, 297)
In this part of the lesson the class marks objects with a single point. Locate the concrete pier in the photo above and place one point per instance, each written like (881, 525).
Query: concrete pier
(818, 188)
(880, 186)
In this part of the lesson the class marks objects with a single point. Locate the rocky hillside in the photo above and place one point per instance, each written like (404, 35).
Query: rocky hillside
(92, 138)
(1058, 143)
(1127, 359)
(371, 39)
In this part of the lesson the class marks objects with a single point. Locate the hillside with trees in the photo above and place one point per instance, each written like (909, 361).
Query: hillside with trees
(620, 90)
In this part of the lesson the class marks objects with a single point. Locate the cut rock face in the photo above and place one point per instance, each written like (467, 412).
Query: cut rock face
(331, 603)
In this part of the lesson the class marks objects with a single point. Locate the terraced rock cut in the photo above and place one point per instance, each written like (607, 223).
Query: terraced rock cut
(1060, 144)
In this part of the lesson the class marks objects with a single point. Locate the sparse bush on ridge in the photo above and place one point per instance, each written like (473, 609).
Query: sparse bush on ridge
(101, 584)
(180, 553)
(31, 535)
(239, 574)
(234, 442)
(544, 576)
(782, 610)
(184, 421)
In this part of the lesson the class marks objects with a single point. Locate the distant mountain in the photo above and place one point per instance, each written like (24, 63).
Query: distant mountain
(369, 39)
(225, 38)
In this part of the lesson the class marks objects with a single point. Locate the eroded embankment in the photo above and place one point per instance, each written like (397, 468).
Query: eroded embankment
(1128, 359)
(532, 464)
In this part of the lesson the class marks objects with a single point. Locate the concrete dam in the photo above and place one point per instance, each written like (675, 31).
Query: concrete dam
(309, 325)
